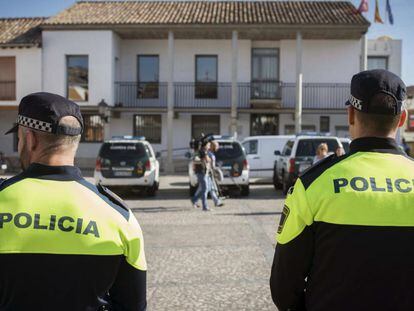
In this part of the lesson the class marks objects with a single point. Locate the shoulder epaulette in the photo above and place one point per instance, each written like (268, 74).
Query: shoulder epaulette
(112, 197)
(319, 164)
(316, 170)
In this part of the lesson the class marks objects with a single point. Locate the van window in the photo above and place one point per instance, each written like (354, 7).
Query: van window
(118, 151)
(287, 150)
(250, 146)
(229, 151)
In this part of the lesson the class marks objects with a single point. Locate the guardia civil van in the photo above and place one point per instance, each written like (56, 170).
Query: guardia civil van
(128, 162)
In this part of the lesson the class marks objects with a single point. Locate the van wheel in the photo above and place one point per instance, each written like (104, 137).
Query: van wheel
(192, 190)
(245, 191)
(152, 191)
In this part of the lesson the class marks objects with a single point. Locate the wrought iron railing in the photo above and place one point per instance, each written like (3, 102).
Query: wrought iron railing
(219, 95)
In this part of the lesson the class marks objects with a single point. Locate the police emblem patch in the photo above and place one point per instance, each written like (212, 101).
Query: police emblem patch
(283, 218)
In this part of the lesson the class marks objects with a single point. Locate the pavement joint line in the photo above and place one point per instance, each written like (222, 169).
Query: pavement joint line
(262, 238)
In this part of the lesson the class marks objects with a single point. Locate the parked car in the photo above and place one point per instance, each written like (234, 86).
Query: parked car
(297, 156)
(260, 152)
(345, 144)
(231, 160)
(128, 161)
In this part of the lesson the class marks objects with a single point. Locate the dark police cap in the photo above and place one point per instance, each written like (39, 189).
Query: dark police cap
(42, 112)
(367, 84)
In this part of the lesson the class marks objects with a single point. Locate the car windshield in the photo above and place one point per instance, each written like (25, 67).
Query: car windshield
(115, 151)
(229, 151)
(307, 147)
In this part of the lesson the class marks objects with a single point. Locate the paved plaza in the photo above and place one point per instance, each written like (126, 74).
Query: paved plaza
(218, 260)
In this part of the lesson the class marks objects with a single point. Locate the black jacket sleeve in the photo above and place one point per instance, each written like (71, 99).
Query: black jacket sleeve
(129, 291)
(294, 251)
(291, 265)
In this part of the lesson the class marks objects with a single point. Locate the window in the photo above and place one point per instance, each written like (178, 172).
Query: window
(206, 76)
(287, 150)
(290, 129)
(8, 78)
(377, 62)
(207, 124)
(307, 147)
(77, 77)
(250, 147)
(324, 124)
(264, 124)
(93, 129)
(148, 126)
(265, 74)
(148, 76)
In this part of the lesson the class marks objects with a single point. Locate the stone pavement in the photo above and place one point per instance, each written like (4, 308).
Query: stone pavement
(216, 260)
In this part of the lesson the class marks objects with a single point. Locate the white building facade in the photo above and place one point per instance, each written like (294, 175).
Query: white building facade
(170, 80)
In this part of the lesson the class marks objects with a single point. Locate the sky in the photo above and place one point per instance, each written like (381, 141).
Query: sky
(403, 28)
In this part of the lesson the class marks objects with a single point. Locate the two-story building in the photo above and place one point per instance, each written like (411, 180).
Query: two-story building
(170, 71)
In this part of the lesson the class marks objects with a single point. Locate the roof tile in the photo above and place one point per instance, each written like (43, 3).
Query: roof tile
(20, 31)
(209, 12)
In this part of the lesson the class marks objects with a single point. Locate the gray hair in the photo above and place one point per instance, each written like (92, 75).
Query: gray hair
(52, 143)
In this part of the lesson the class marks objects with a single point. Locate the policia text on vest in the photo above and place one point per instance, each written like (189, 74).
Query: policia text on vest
(51, 222)
(373, 184)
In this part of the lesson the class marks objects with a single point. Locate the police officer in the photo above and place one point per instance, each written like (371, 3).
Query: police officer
(65, 244)
(346, 235)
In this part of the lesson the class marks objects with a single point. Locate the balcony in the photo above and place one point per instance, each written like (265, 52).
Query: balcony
(210, 95)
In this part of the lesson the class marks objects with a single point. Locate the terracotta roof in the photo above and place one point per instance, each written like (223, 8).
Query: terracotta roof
(20, 31)
(209, 13)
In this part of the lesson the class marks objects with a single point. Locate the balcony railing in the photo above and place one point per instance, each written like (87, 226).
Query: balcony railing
(7, 90)
(141, 94)
(218, 95)
(316, 95)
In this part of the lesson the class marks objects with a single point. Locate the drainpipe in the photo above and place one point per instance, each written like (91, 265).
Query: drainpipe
(299, 80)
(170, 104)
(234, 93)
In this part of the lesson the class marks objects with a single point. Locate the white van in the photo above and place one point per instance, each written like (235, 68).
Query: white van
(260, 151)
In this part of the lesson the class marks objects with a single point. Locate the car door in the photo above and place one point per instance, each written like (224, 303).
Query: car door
(267, 157)
(253, 158)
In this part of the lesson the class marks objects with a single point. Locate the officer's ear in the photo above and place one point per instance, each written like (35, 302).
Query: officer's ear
(403, 118)
(351, 115)
(31, 140)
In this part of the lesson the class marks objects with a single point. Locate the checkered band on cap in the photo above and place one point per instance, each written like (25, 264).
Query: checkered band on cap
(34, 124)
(355, 102)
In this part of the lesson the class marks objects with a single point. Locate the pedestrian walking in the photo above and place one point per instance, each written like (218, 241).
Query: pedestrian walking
(213, 187)
(65, 243)
(202, 167)
(345, 236)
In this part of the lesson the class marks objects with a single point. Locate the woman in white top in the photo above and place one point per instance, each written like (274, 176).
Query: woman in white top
(321, 153)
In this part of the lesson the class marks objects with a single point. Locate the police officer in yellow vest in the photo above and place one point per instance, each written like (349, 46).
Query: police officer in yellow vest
(346, 235)
(65, 244)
